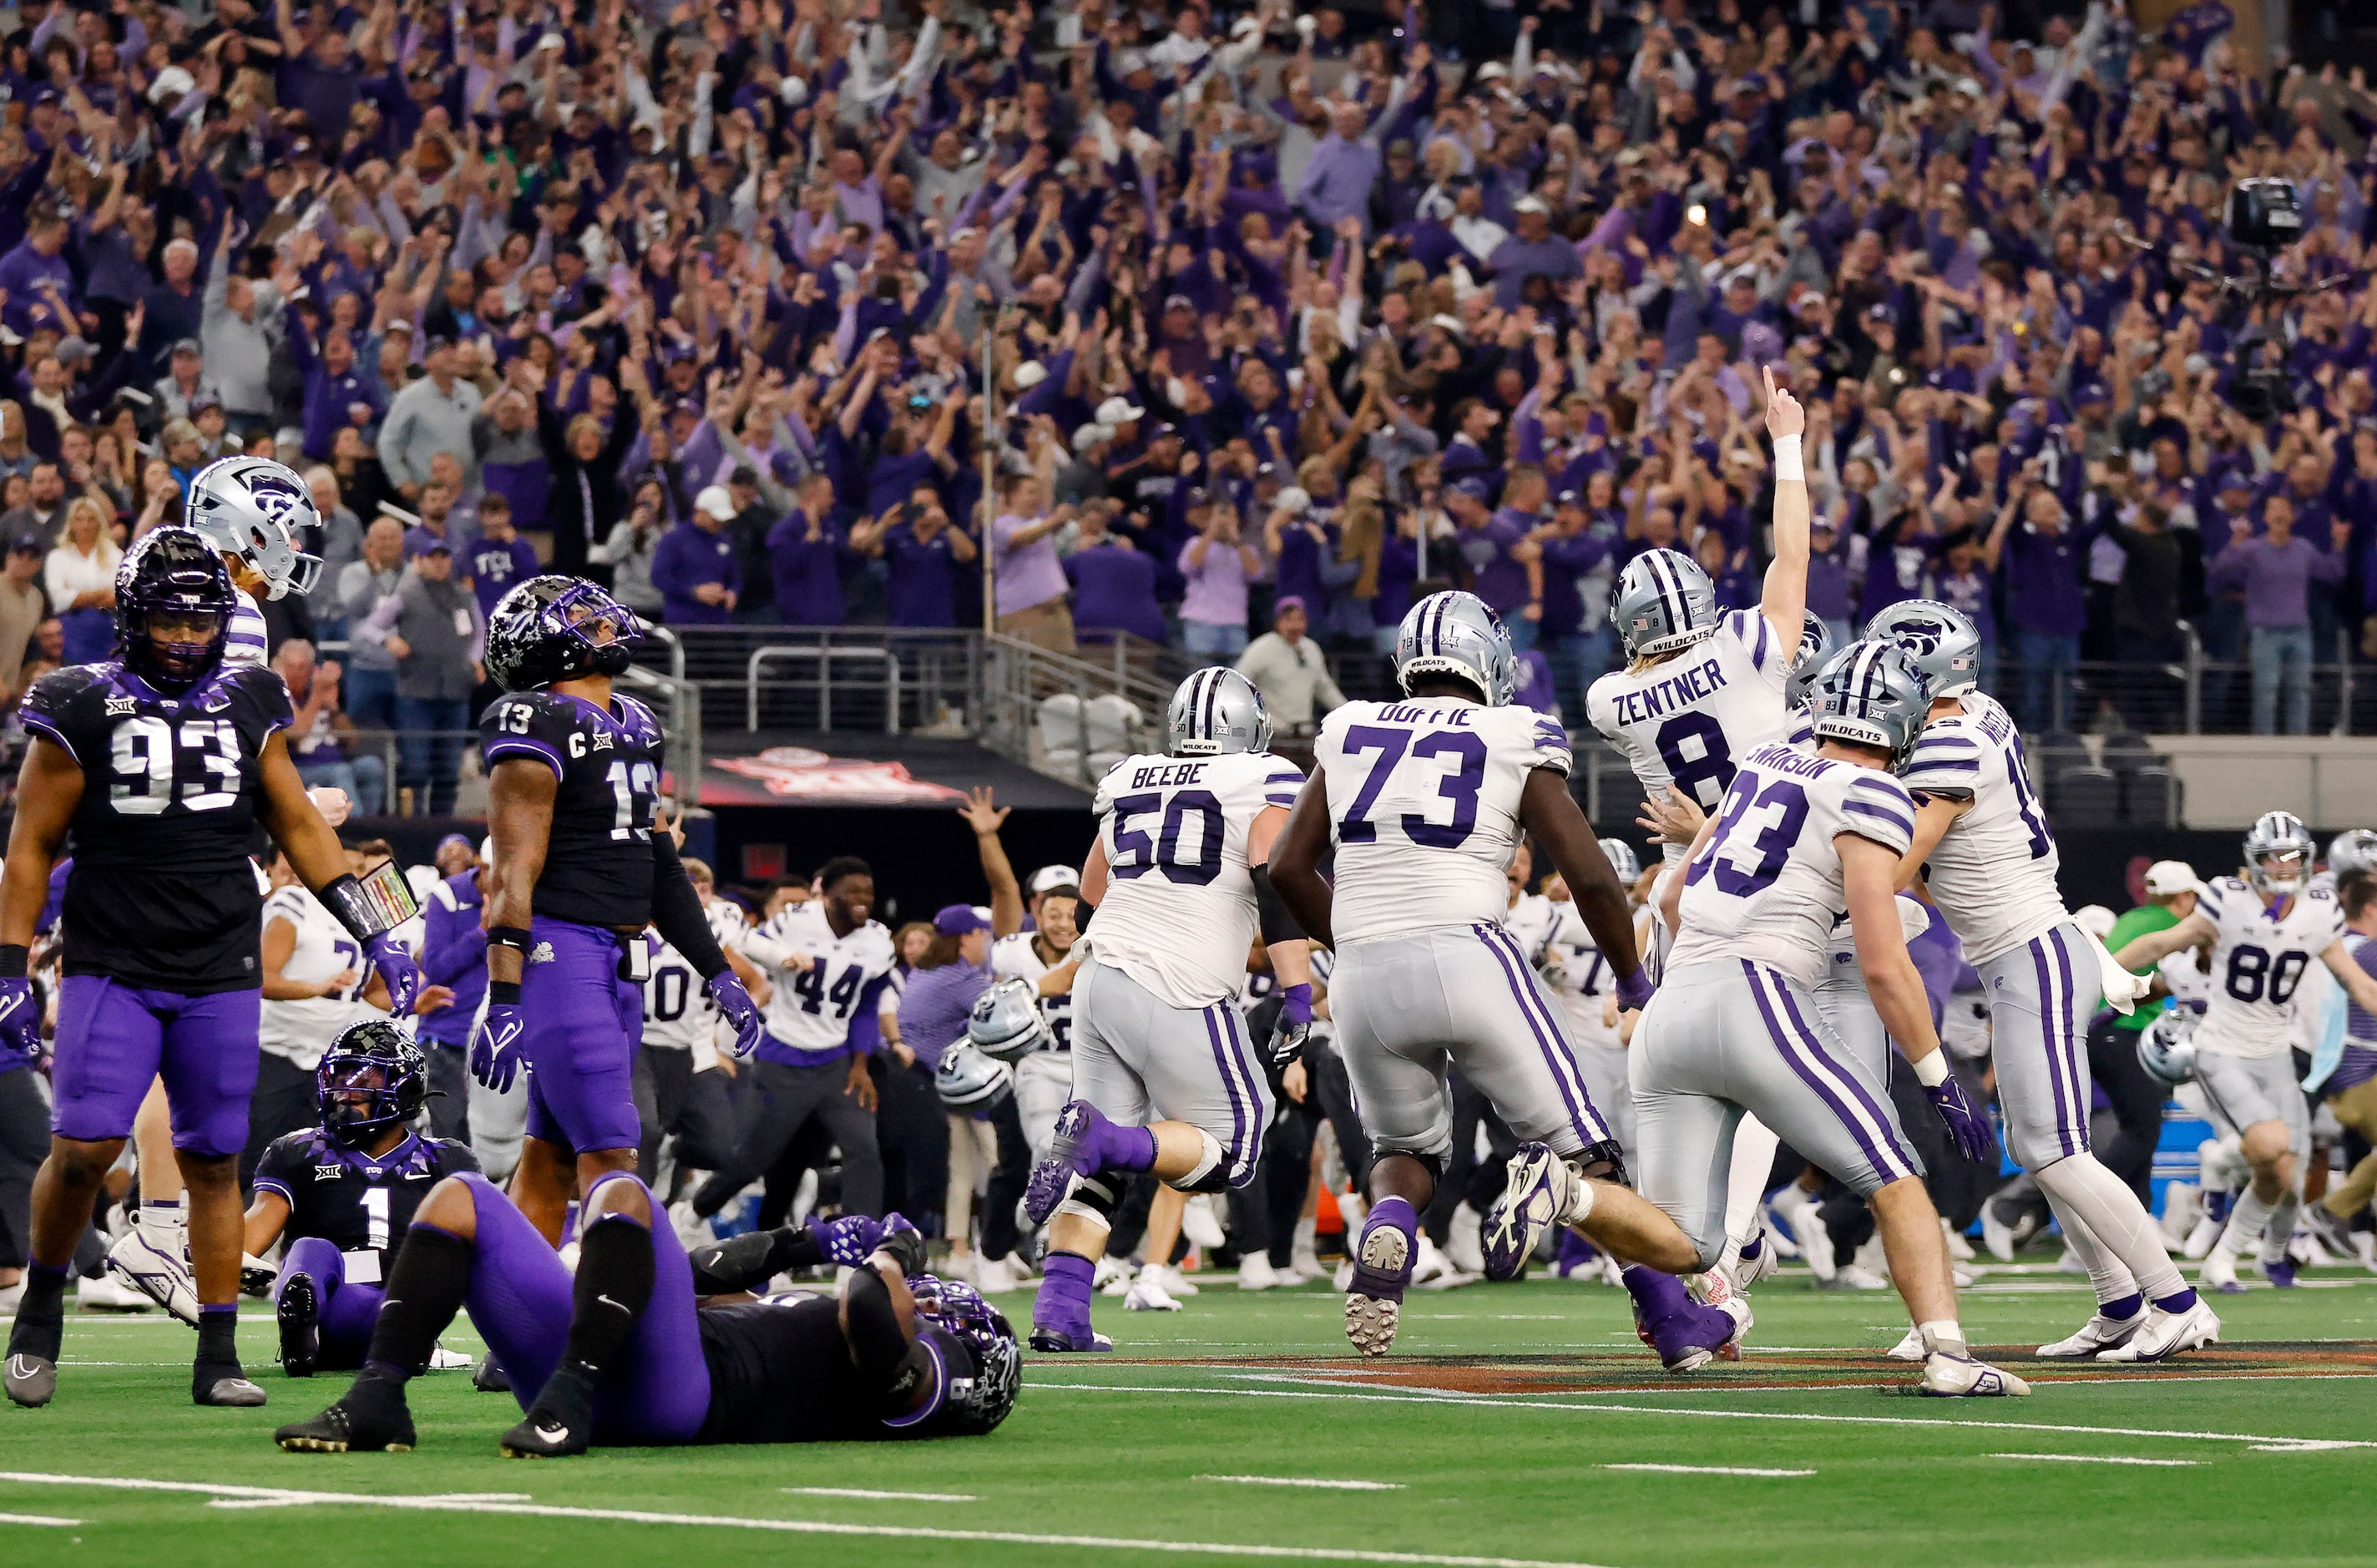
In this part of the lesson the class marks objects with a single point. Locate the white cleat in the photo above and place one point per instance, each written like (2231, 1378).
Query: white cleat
(165, 1280)
(1462, 1245)
(996, 1277)
(2165, 1335)
(2200, 1240)
(1342, 1280)
(1199, 1223)
(1255, 1273)
(1909, 1348)
(1113, 1277)
(444, 1360)
(1146, 1294)
(2219, 1272)
(1174, 1282)
(1959, 1249)
(1961, 1377)
(1854, 1277)
(102, 1292)
(1433, 1269)
(692, 1230)
(1742, 1272)
(2099, 1334)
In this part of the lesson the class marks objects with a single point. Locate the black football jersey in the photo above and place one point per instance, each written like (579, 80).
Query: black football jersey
(780, 1372)
(349, 1199)
(162, 893)
(598, 858)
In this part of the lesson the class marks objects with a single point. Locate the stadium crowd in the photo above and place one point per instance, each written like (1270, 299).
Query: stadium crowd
(1287, 314)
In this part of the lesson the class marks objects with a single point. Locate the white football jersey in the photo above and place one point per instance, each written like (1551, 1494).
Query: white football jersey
(301, 1031)
(1531, 922)
(245, 640)
(1689, 720)
(1015, 955)
(812, 1009)
(1993, 873)
(1423, 801)
(1179, 915)
(1767, 885)
(2258, 962)
(1573, 967)
(679, 1012)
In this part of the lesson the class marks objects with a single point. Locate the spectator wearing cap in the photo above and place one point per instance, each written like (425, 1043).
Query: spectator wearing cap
(319, 733)
(1027, 575)
(1290, 671)
(2041, 555)
(1533, 252)
(184, 381)
(23, 605)
(2276, 571)
(694, 566)
(510, 457)
(432, 627)
(430, 416)
(1114, 584)
(363, 586)
(2171, 887)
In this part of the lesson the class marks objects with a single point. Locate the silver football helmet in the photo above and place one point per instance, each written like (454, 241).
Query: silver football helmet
(1006, 1021)
(252, 509)
(1456, 634)
(2353, 850)
(2167, 1046)
(968, 1080)
(1941, 639)
(2279, 836)
(1216, 712)
(1815, 647)
(1663, 601)
(1623, 860)
(1870, 693)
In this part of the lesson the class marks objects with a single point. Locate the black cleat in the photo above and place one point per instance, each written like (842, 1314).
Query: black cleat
(224, 1383)
(491, 1378)
(32, 1381)
(300, 1344)
(559, 1424)
(372, 1418)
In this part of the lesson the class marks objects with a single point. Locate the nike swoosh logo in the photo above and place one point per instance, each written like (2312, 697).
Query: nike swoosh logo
(608, 1302)
(554, 1434)
(23, 1367)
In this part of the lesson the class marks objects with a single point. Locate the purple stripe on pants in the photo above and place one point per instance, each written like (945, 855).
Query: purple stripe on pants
(2049, 1031)
(114, 1040)
(345, 1313)
(1230, 1087)
(657, 1392)
(1884, 1164)
(1236, 1026)
(1580, 1114)
(2075, 1133)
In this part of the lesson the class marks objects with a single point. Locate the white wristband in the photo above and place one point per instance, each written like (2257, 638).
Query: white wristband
(1930, 1070)
(1786, 459)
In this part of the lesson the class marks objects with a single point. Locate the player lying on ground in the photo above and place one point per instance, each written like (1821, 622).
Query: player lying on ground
(160, 762)
(645, 1349)
(341, 1196)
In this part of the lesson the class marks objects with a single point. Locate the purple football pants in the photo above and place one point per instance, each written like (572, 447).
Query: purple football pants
(658, 1392)
(345, 1313)
(584, 1026)
(114, 1040)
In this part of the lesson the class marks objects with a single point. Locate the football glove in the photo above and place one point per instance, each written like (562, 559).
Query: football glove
(1287, 1035)
(740, 1010)
(1970, 1128)
(1634, 990)
(497, 1046)
(847, 1241)
(397, 970)
(20, 1019)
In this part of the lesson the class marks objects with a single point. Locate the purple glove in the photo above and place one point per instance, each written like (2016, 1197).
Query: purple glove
(397, 969)
(20, 1021)
(740, 1011)
(1634, 990)
(1970, 1128)
(499, 1044)
(850, 1239)
(1294, 1022)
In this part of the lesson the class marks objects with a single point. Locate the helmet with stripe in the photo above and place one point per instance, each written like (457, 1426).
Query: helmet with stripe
(254, 510)
(1663, 602)
(1941, 639)
(1815, 647)
(967, 1079)
(2281, 836)
(1623, 860)
(1216, 712)
(1870, 694)
(1006, 1021)
(1457, 634)
(2353, 850)
(2167, 1046)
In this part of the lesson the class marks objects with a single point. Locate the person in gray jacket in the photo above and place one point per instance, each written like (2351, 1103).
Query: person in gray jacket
(431, 625)
(341, 546)
(434, 415)
(371, 668)
(241, 331)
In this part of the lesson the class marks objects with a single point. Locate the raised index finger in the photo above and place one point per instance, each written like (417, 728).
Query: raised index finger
(1768, 371)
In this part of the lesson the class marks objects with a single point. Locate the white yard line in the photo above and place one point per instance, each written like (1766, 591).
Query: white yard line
(300, 1500)
(1706, 1469)
(50, 1519)
(1305, 1481)
(881, 1496)
(450, 1505)
(2100, 1459)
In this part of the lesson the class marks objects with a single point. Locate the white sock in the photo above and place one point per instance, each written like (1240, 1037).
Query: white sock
(2248, 1218)
(1579, 1202)
(163, 1227)
(2105, 1274)
(2280, 1229)
(2113, 1223)
(1753, 1160)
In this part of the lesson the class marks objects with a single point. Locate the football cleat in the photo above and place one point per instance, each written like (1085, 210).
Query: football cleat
(1255, 1273)
(1374, 1304)
(1538, 1191)
(1050, 1340)
(2333, 1233)
(559, 1424)
(2099, 1334)
(1689, 1339)
(1909, 1348)
(1753, 1261)
(2205, 1237)
(103, 1292)
(224, 1385)
(137, 1262)
(1146, 1293)
(2003, 1239)
(444, 1360)
(1959, 1249)
(372, 1418)
(2165, 1335)
(299, 1313)
(32, 1381)
(2279, 1270)
(1961, 1377)
(2219, 1272)
(491, 1378)
(1069, 1155)
(1854, 1278)
(1173, 1281)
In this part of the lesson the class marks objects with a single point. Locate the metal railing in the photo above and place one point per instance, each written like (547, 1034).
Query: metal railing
(1020, 678)
(825, 655)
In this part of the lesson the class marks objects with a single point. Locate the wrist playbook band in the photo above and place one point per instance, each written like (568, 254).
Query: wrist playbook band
(380, 900)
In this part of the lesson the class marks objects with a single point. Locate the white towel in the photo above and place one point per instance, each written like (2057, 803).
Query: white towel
(2123, 990)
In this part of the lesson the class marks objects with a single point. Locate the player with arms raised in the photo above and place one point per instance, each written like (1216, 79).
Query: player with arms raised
(1734, 1031)
(2265, 928)
(160, 762)
(1163, 1078)
(573, 774)
(1427, 800)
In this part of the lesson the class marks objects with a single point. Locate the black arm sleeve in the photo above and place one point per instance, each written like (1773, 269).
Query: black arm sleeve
(748, 1262)
(676, 910)
(1277, 923)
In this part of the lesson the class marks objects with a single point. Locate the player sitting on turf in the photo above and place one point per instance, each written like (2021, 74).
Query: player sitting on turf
(628, 1354)
(340, 1195)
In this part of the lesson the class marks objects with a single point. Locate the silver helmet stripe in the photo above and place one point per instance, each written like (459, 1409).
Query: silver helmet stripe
(1671, 596)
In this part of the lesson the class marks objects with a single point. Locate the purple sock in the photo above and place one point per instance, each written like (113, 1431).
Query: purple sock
(1754, 1246)
(1396, 1212)
(1125, 1148)
(2122, 1311)
(1064, 1299)
(2178, 1303)
(1655, 1295)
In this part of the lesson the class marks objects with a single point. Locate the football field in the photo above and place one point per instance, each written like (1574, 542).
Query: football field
(1518, 1424)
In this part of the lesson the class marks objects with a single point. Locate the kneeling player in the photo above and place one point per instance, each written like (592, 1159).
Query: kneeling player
(630, 1353)
(342, 1195)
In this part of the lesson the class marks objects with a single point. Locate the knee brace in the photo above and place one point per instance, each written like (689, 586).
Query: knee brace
(1093, 1198)
(871, 1324)
(1211, 1174)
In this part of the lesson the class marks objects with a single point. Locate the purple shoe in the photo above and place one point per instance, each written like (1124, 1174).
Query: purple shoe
(1693, 1335)
(2279, 1270)
(1382, 1268)
(1072, 1152)
(1576, 1256)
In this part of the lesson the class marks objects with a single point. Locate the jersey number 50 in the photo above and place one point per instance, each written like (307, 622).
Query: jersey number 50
(1135, 854)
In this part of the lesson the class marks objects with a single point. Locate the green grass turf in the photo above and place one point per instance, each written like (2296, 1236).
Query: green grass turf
(1518, 1476)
